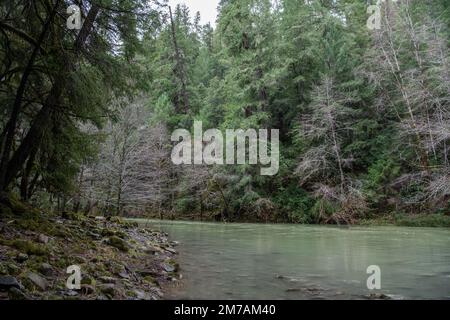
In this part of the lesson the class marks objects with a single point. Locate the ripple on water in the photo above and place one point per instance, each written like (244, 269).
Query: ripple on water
(242, 261)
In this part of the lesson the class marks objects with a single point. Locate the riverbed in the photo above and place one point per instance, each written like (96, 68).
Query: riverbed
(251, 261)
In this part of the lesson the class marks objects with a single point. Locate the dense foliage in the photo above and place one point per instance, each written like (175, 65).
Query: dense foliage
(363, 114)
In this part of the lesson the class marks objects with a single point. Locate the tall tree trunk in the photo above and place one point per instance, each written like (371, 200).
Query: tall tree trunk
(24, 183)
(33, 185)
(396, 71)
(17, 106)
(41, 121)
(332, 123)
(180, 70)
(77, 201)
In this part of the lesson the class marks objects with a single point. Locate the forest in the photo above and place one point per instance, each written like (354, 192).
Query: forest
(363, 114)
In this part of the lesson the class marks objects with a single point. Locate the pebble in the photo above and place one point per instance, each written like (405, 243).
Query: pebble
(46, 269)
(168, 267)
(70, 293)
(43, 239)
(124, 275)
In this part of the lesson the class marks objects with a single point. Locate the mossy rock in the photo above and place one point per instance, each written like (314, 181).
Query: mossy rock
(26, 246)
(118, 243)
(113, 232)
(86, 223)
(116, 267)
(100, 267)
(74, 216)
(131, 294)
(151, 280)
(121, 234)
(108, 232)
(61, 263)
(11, 206)
(3, 269)
(86, 280)
(134, 254)
(117, 220)
(27, 283)
(28, 224)
(108, 289)
(130, 224)
(59, 232)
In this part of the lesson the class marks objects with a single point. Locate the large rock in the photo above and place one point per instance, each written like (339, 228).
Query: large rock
(38, 281)
(8, 282)
(118, 243)
(46, 269)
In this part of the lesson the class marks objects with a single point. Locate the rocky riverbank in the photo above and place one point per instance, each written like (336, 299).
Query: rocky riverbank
(117, 259)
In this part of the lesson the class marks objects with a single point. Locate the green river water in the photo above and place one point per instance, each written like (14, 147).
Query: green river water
(249, 261)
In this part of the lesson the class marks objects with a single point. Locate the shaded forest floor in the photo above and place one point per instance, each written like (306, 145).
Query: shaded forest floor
(118, 259)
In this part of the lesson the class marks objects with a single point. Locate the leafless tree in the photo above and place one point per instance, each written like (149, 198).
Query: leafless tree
(324, 124)
(132, 171)
(410, 66)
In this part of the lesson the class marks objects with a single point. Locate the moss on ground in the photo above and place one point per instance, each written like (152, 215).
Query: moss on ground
(26, 246)
(104, 248)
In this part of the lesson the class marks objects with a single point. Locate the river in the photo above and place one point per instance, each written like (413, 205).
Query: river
(249, 261)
